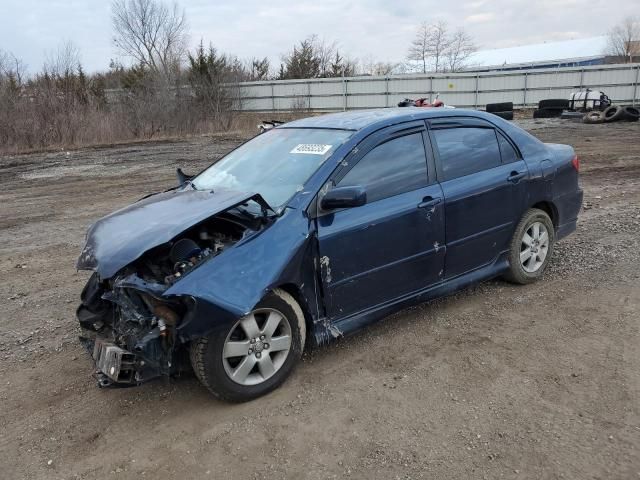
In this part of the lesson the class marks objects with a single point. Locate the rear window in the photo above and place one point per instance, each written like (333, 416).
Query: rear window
(466, 150)
(507, 151)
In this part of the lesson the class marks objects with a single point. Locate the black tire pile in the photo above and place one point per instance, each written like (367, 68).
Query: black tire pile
(551, 108)
(614, 113)
(502, 110)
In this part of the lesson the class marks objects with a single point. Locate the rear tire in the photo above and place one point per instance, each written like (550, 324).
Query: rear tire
(219, 361)
(531, 247)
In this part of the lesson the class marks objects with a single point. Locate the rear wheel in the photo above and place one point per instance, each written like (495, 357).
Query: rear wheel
(531, 247)
(257, 353)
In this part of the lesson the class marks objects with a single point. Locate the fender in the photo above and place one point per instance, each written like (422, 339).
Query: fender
(229, 286)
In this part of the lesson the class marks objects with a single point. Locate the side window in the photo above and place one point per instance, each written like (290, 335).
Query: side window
(394, 167)
(507, 151)
(466, 150)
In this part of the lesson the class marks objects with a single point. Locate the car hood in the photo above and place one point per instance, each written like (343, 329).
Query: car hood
(123, 236)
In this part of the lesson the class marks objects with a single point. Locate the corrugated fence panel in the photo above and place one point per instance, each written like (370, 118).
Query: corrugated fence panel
(515, 96)
(452, 84)
(327, 103)
(257, 104)
(367, 86)
(620, 94)
(608, 77)
(525, 87)
(500, 82)
(554, 79)
(290, 89)
(366, 101)
(409, 85)
(327, 88)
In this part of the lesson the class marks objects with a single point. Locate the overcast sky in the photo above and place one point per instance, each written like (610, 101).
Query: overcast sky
(363, 29)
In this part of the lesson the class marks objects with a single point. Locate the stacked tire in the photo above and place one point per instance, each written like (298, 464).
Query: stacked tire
(502, 110)
(551, 108)
(614, 113)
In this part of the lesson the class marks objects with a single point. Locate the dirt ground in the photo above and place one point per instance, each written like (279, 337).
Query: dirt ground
(498, 381)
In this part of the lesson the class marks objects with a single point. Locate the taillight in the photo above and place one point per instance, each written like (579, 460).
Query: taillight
(575, 161)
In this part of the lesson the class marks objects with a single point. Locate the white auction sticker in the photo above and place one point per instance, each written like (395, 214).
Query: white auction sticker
(312, 148)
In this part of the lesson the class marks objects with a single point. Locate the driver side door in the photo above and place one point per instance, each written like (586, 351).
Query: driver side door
(393, 246)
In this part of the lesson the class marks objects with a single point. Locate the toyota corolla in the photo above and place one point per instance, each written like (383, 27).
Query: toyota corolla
(312, 230)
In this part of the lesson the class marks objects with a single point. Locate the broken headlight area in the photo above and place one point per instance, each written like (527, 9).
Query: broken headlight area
(128, 327)
(130, 334)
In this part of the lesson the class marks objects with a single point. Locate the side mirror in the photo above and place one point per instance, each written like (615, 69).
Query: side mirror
(344, 197)
(182, 177)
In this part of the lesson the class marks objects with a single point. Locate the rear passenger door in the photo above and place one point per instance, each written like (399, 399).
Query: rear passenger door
(483, 178)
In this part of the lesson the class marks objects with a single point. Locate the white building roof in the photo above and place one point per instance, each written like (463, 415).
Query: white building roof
(550, 51)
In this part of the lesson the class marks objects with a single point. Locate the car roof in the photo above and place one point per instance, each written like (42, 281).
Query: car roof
(360, 119)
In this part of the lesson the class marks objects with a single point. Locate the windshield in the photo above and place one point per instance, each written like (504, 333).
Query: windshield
(275, 164)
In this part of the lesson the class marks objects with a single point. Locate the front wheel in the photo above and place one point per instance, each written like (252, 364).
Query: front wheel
(531, 247)
(257, 353)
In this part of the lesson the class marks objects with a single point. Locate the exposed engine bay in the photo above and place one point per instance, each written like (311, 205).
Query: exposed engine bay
(128, 326)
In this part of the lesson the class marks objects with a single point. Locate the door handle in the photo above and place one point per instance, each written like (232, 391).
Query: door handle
(515, 177)
(429, 201)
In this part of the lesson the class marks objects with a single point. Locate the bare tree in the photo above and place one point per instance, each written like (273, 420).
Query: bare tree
(151, 33)
(439, 44)
(624, 40)
(370, 66)
(419, 49)
(12, 69)
(64, 61)
(461, 47)
(325, 52)
(430, 46)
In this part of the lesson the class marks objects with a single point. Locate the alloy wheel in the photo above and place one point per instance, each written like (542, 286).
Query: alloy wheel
(534, 247)
(257, 347)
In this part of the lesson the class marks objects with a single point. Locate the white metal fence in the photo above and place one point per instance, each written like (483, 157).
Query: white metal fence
(473, 90)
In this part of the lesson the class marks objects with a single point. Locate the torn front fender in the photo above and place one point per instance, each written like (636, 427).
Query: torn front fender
(229, 286)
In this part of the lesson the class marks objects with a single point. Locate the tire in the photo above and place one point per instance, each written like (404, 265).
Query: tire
(547, 113)
(613, 113)
(631, 114)
(216, 373)
(593, 117)
(499, 107)
(527, 272)
(560, 103)
(505, 115)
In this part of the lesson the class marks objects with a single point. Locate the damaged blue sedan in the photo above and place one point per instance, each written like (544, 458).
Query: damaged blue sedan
(309, 232)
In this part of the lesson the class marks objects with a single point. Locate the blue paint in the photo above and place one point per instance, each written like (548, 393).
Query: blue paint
(352, 266)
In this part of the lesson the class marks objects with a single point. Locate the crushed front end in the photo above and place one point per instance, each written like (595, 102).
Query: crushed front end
(129, 326)
(129, 330)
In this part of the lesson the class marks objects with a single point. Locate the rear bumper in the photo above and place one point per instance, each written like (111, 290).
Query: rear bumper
(569, 207)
